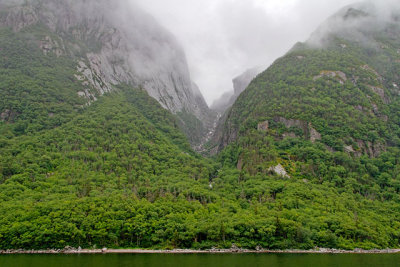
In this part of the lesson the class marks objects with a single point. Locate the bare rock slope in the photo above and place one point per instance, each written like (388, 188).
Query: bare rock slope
(113, 43)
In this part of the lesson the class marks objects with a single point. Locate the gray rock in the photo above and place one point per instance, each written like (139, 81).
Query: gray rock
(341, 76)
(279, 170)
(7, 115)
(114, 43)
(369, 148)
(20, 17)
(314, 134)
(381, 92)
(291, 122)
(349, 149)
(240, 83)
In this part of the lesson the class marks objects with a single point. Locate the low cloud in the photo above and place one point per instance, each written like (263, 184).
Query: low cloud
(355, 22)
(223, 38)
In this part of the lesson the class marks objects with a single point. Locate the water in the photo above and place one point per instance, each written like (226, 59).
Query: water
(207, 260)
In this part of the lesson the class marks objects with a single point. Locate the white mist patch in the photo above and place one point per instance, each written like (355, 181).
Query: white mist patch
(356, 21)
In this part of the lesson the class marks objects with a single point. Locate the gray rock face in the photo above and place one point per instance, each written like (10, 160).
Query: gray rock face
(381, 92)
(291, 123)
(114, 43)
(240, 84)
(224, 102)
(19, 17)
(332, 74)
(314, 134)
(309, 131)
(279, 170)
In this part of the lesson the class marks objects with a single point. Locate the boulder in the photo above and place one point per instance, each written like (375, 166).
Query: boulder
(279, 170)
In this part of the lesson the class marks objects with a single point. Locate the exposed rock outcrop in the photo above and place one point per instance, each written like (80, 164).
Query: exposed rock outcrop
(372, 149)
(381, 92)
(19, 17)
(314, 134)
(48, 45)
(309, 131)
(341, 76)
(349, 149)
(291, 122)
(91, 77)
(7, 115)
(4, 115)
(114, 43)
(279, 170)
(368, 68)
(240, 84)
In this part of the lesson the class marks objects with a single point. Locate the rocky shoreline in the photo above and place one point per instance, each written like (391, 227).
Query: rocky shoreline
(69, 250)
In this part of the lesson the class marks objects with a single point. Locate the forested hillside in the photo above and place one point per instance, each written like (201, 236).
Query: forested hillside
(309, 155)
(97, 45)
(37, 92)
(121, 175)
(327, 112)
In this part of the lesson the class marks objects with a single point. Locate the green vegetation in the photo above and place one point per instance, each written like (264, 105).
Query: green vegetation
(37, 92)
(329, 117)
(119, 172)
(191, 126)
(119, 175)
(111, 177)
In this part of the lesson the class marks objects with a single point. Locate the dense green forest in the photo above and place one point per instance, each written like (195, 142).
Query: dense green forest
(118, 172)
(117, 177)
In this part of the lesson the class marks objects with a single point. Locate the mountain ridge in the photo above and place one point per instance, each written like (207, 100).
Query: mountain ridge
(308, 154)
(113, 44)
(384, 87)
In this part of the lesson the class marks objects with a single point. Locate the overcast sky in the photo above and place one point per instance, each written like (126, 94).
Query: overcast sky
(223, 38)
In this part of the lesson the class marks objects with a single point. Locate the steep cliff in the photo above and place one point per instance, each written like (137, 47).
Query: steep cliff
(311, 155)
(240, 83)
(112, 43)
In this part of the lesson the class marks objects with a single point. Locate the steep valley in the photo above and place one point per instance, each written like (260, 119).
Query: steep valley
(99, 123)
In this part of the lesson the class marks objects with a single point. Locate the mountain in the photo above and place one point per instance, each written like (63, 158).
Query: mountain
(84, 124)
(109, 44)
(341, 90)
(308, 154)
(326, 113)
(222, 105)
(123, 153)
(240, 83)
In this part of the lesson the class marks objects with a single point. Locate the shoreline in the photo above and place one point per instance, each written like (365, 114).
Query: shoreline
(191, 251)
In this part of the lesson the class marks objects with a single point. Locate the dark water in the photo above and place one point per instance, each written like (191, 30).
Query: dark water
(203, 260)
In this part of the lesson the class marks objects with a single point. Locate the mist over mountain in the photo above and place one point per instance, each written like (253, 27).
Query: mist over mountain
(358, 23)
(105, 140)
(113, 43)
(240, 83)
(367, 32)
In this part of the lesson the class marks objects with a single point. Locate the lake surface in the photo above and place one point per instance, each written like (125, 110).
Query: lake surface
(203, 260)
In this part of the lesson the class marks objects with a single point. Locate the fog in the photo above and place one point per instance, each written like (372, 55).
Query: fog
(356, 23)
(224, 38)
